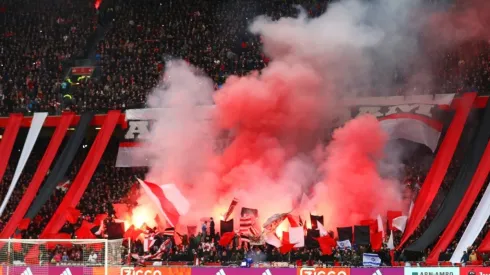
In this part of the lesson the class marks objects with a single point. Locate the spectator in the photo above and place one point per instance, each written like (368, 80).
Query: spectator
(473, 257)
(65, 257)
(465, 257)
(57, 258)
(211, 228)
(204, 229)
(92, 258)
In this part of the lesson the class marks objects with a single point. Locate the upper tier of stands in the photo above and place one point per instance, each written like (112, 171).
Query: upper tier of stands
(143, 35)
(38, 36)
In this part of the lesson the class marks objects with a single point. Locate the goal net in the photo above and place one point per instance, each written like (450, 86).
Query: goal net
(63, 256)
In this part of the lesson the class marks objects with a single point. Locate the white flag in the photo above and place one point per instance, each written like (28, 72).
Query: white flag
(380, 225)
(391, 244)
(369, 259)
(323, 231)
(297, 236)
(400, 223)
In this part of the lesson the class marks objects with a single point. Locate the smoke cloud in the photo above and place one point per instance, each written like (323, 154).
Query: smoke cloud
(279, 119)
(352, 189)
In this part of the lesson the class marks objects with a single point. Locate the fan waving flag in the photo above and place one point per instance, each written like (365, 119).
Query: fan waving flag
(169, 200)
(274, 221)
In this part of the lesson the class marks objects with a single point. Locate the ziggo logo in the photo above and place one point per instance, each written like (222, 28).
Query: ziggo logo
(322, 271)
(132, 271)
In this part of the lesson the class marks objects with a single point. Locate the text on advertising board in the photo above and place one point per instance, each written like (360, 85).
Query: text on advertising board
(243, 271)
(431, 271)
(155, 271)
(323, 271)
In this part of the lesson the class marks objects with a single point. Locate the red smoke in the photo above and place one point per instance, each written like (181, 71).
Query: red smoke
(273, 116)
(279, 119)
(352, 189)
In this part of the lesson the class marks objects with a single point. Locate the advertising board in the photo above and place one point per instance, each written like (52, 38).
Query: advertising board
(431, 270)
(377, 271)
(478, 270)
(47, 270)
(243, 271)
(78, 270)
(154, 271)
(323, 271)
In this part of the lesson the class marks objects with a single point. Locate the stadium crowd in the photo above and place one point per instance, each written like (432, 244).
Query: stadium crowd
(144, 36)
(38, 38)
(116, 185)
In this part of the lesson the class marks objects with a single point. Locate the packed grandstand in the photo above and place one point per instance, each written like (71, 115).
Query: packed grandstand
(75, 80)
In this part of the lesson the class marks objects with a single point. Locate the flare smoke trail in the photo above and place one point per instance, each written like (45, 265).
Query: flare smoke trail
(352, 184)
(279, 118)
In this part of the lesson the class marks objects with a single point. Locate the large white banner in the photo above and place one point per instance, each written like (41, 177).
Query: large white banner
(32, 135)
(414, 118)
(478, 220)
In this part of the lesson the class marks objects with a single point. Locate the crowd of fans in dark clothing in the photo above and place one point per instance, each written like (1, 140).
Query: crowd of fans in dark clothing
(111, 185)
(145, 35)
(38, 38)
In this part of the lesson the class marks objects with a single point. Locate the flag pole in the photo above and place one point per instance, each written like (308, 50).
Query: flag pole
(129, 251)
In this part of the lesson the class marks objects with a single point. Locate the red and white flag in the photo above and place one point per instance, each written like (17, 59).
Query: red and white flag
(63, 186)
(169, 200)
(233, 203)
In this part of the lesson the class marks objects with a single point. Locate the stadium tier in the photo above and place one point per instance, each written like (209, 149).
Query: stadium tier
(223, 137)
(76, 157)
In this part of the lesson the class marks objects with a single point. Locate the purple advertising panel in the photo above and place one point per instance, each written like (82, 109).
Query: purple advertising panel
(243, 271)
(377, 271)
(47, 270)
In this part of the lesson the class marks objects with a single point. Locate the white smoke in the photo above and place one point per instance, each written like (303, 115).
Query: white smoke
(280, 117)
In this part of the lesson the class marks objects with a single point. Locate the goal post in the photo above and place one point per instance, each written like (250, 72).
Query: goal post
(59, 256)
